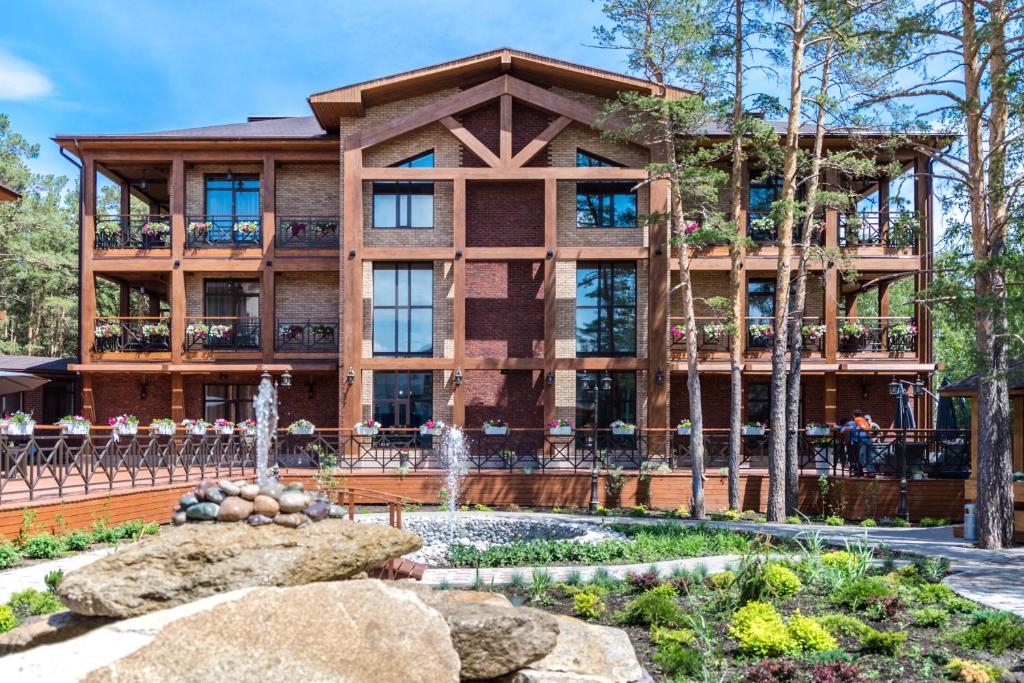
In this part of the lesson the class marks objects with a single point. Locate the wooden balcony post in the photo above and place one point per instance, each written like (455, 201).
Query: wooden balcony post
(550, 302)
(177, 293)
(459, 294)
(831, 305)
(268, 307)
(657, 301)
(883, 209)
(352, 267)
(177, 397)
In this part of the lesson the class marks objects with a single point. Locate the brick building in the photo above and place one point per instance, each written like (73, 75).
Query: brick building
(456, 242)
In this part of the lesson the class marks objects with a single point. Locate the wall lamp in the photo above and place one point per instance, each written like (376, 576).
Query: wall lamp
(352, 253)
(551, 377)
(311, 390)
(458, 377)
(659, 377)
(286, 379)
(550, 253)
(350, 376)
(458, 253)
(143, 389)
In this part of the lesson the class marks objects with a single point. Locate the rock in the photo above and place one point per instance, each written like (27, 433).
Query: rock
(273, 489)
(436, 597)
(293, 501)
(265, 505)
(229, 487)
(234, 509)
(51, 628)
(389, 635)
(214, 495)
(317, 511)
(193, 561)
(203, 511)
(202, 487)
(336, 512)
(493, 641)
(584, 652)
(259, 520)
(250, 491)
(295, 486)
(292, 520)
(188, 500)
(179, 518)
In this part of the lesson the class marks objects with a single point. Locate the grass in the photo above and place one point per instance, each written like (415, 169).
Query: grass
(646, 543)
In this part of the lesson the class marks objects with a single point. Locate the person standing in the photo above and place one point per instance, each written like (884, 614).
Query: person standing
(867, 463)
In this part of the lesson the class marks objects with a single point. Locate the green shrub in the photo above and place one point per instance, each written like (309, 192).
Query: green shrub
(103, 532)
(992, 631)
(794, 520)
(152, 528)
(780, 581)
(958, 605)
(656, 607)
(53, 579)
(931, 569)
(838, 559)
(727, 516)
(30, 603)
(44, 546)
(869, 522)
(638, 511)
(809, 635)
(929, 617)
(722, 580)
(860, 593)
(899, 522)
(760, 631)
(9, 555)
(835, 520)
(672, 636)
(676, 660)
(884, 642)
(588, 605)
(933, 593)
(7, 619)
(932, 521)
(75, 541)
(972, 671)
(844, 625)
(128, 530)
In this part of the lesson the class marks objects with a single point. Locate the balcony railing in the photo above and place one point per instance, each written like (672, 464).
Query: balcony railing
(762, 229)
(712, 335)
(308, 233)
(895, 229)
(222, 334)
(48, 464)
(894, 336)
(760, 333)
(231, 232)
(118, 231)
(306, 335)
(132, 335)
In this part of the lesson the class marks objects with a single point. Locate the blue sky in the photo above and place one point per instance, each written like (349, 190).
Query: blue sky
(119, 67)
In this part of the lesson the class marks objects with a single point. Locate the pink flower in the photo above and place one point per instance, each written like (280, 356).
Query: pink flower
(690, 228)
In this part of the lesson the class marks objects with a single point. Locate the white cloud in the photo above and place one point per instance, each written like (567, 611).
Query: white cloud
(20, 80)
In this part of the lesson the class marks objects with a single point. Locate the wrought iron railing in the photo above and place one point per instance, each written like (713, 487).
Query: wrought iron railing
(232, 232)
(222, 334)
(306, 335)
(896, 229)
(760, 333)
(49, 464)
(121, 231)
(308, 233)
(712, 335)
(134, 335)
(894, 336)
(763, 229)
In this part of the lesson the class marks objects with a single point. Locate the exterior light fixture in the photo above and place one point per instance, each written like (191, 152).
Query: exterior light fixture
(606, 381)
(551, 377)
(895, 387)
(286, 379)
(350, 376)
(458, 253)
(143, 389)
(311, 389)
(352, 253)
(585, 383)
(458, 376)
(265, 375)
(659, 377)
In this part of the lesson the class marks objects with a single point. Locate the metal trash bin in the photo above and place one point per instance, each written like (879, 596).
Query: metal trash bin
(970, 523)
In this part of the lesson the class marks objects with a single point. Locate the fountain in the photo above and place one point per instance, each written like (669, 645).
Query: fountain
(265, 405)
(453, 458)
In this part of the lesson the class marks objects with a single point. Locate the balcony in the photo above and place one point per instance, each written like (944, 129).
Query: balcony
(307, 336)
(119, 231)
(308, 233)
(762, 229)
(892, 229)
(132, 335)
(872, 336)
(761, 334)
(223, 232)
(222, 334)
(712, 335)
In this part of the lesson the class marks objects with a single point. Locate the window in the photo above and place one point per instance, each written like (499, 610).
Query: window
(403, 314)
(759, 403)
(234, 305)
(761, 299)
(606, 308)
(604, 203)
(405, 204)
(11, 403)
(230, 199)
(402, 399)
(617, 404)
(763, 193)
(231, 402)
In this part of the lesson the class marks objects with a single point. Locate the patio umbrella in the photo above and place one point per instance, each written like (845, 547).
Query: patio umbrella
(946, 422)
(14, 382)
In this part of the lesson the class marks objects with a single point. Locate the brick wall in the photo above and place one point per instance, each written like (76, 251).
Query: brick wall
(116, 394)
(306, 296)
(517, 397)
(308, 190)
(505, 309)
(483, 122)
(296, 401)
(505, 214)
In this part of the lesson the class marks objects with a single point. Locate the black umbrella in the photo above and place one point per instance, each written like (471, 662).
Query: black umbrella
(946, 422)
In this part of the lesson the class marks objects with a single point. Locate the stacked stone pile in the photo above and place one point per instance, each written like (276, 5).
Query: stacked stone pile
(288, 505)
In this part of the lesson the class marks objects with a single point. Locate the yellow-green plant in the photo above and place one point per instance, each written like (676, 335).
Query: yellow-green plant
(972, 671)
(760, 631)
(588, 605)
(662, 636)
(809, 634)
(7, 619)
(780, 581)
(722, 580)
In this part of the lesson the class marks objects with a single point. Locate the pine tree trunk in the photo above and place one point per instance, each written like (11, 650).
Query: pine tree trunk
(693, 386)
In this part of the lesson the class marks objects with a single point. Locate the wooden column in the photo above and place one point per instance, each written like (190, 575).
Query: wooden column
(883, 300)
(831, 274)
(1018, 434)
(177, 289)
(124, 300)
(883, 207)
(550, 301)
(177, 397)
(657, 301)
(88, 277)
(88, 400)
(267, 303)
(831, 398)
(353, 285)
(126, 199)
(459, 296)
(923, 246)
(505, 134)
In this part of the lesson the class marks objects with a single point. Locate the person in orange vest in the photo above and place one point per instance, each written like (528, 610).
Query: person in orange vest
(863, 438)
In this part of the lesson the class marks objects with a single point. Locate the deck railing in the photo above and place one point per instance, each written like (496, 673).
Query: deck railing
(123, 231)
(132, 335)
(50, 464)
(306, 335)
(221, 231)
(308, 233)
(895, 229)
(893, 336)
(222, 334)
(712, 335)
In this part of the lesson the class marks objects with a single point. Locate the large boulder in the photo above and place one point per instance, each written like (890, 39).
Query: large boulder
(193, 561)
(46, 629)
(362, 631)
(493, 641)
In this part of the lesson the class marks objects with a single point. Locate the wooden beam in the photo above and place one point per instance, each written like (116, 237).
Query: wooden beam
(176, 186)
(88, 399)
(87, 277)
(550, 301)
(601, 253)
(353, 283)
(533, 147)
(925, 250)
(471, 363)
(459, 297)
(177, 397)
(657, 301)
(439, 173)
(505, 130)
(505, 253)
(552, 102)
(471, 141)
(831, 398)
(268, 309)
(407, 364)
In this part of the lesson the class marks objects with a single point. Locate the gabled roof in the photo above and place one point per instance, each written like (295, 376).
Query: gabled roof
(34, 363)
(271, 128)
(8, 195)
(969, 385)
(351, 100)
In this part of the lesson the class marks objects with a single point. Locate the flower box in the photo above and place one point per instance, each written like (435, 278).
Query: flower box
(565, 430)
(817, 430)
(684, 431)
(163, 428)
(196, 427)
(21, 428)
(750, 430)
(225, 430)
(247, 428)
(75, 428)
(624, 430)
(430, 429)
(361, 430)
(490, 430)
(301, 428)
